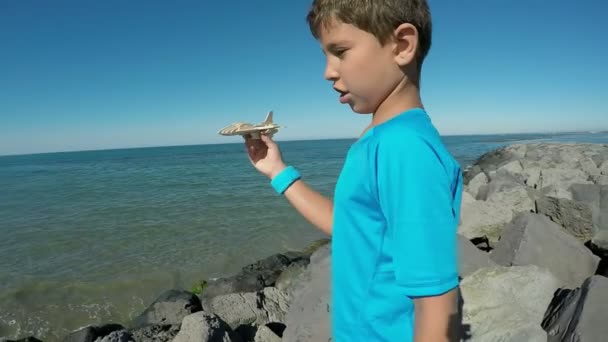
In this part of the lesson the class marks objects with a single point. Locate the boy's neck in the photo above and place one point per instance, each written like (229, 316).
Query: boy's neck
(406, 96)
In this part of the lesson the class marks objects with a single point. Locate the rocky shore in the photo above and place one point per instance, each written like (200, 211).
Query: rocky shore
(533, 244)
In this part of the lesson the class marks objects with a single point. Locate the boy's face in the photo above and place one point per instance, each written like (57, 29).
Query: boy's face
(363, 71)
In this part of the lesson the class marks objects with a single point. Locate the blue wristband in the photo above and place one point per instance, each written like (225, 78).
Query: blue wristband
(284, 179)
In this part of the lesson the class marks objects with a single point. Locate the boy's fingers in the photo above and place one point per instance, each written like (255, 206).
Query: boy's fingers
(267, 140)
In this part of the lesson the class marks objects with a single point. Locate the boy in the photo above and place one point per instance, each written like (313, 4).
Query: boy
(396, 205)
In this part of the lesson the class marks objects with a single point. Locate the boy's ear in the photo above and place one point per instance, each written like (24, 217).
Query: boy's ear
(405, 38)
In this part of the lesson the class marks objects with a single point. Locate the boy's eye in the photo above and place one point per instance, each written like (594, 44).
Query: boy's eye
(339, 52)
(336, 50)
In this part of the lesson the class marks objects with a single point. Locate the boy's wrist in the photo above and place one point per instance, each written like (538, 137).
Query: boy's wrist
(276, 171)
(284, 179)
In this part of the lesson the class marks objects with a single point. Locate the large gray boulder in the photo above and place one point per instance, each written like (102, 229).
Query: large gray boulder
(308, 318)
(155, 333)
(489, 162)
(291, 276)
(265, 334)
(574, 216)
(556, 181)
(255, 276)
(596, 197)
(479, 181)
(601, 238)
(507, 303)
(169, 308)
(502, 181)
(579, 315)
(205, 327)
(604, 168)
(600, 180)
(532, 239)
(250, 308)
(117, 336)
(471, 258)
(488, 218)
(484, 219)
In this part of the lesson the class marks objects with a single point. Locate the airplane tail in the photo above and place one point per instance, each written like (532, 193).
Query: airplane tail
(268, 119)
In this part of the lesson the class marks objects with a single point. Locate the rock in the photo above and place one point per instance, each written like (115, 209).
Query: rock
(569, 156)
(155, 333)
(308, 318)
(575, 217)
(469, 172)
(589, 167)
(233, 284)
(489, 162)
(518, 151)
(507, 303)
(25, 339)
(599, 247)
(471, 258)
(502, 182)
(597, 159)
(204, 327)
(532, 239)
(270, 268)
(291, 275)
(596, 197)
(600, 180)
(590, 195)
(476, 183)
(116, 336)
(603, 215)
(579, 315)
(532, 176)
(467, 198)
(310, 249)
(275, 304)
(600, 242)
(251, 308)
(532, 154)
(555, 182)
(487, 218)
(517, 199)
(264, 334)
(253, 277)
(91, 333)
(484, 219)
(604, 168)
(514, 168)
(169, 308)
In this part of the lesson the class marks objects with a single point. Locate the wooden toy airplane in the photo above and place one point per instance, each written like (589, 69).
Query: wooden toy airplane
(267, 127)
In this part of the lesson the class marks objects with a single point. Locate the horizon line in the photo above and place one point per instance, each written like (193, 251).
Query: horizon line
(284, 140)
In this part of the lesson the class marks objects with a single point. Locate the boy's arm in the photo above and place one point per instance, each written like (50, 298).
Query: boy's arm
(315, 208)
(265, 156)
(436, 318)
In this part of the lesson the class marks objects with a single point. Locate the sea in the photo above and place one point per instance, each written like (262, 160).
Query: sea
(94, 237)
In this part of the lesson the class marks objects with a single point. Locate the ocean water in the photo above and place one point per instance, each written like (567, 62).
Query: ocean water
(94, 237)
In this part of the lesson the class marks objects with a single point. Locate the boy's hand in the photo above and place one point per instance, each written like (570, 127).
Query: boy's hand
(264, 155)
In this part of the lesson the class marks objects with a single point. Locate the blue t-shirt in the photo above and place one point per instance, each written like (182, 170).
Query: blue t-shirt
(396, 210)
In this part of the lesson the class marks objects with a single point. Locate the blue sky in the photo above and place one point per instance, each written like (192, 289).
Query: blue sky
(79, 75)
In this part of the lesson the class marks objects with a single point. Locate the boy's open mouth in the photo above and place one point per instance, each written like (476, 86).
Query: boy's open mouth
(343, 95)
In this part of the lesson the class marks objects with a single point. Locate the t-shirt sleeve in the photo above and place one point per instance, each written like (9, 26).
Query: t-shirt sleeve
(416, 194)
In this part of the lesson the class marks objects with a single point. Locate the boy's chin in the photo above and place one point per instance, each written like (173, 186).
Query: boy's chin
(360, 109)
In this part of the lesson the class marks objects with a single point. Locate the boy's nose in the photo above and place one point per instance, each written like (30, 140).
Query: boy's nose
(330, 73)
